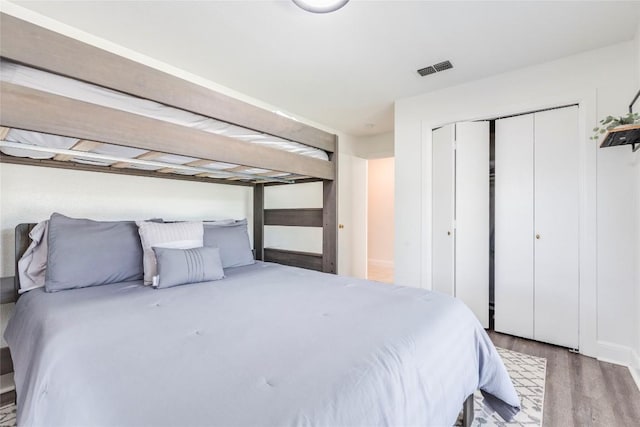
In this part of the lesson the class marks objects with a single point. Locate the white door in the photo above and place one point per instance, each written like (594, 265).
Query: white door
(514, 233)
(443, 189)
(472, 217)
(352, 208)
(557, 227)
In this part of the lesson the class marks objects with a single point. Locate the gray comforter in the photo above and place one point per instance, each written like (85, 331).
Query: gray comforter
(267, 346)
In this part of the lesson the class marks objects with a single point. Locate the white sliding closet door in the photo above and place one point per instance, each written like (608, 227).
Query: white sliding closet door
(472, 217)
(514, 233)
(557, 225)
(460, 184)
(443, 208)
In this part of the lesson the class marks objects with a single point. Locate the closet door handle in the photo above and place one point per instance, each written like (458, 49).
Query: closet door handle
(448, 233)
(537, 236)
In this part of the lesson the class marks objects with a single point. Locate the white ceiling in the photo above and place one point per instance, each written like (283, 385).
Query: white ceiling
(345, 69)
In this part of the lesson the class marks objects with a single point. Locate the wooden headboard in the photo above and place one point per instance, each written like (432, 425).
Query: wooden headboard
(22, 243)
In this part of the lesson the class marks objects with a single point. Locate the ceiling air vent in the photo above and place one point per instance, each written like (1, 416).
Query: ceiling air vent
(426, 71)
(440, 66)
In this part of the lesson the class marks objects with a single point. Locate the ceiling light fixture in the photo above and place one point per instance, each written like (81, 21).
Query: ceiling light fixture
(320, 6)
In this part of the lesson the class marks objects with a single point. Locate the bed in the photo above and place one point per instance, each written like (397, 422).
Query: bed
(268, 345)
(60, 99)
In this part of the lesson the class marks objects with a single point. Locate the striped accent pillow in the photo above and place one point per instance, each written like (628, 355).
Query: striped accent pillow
(177, 235)
(184, 266)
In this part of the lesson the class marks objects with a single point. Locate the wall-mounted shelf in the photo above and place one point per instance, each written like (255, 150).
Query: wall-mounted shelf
(623, 135)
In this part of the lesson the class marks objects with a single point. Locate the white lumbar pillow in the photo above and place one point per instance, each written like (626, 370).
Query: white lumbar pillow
(176, 235)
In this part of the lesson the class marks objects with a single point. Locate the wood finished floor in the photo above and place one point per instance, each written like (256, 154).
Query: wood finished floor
(379, 273)
(581, 391)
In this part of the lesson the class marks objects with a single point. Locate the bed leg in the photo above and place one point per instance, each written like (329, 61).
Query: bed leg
(467, 412)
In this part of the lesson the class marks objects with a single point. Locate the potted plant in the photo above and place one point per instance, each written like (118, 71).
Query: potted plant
(610, 123)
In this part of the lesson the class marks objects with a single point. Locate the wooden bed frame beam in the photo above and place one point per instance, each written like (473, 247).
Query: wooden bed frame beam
(293, 217)
(298, 181)
(31, 109)
(307, 260)
(39, 47)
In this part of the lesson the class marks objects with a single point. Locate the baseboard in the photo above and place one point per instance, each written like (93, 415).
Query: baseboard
(614, 353)
(380, 263)
(620, 355)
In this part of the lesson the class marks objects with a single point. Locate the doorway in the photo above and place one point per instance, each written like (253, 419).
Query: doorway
(380, 219)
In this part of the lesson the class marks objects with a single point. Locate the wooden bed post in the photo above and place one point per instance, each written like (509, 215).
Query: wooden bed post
(330, 218)
(258, 221)
(329, 227)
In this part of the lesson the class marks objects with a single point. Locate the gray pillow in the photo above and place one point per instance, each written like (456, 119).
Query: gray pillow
(233, 241)
(184, 266)
(85, 253)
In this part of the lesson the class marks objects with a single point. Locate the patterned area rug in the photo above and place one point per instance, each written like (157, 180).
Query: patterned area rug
(527, 373)
(8, 416)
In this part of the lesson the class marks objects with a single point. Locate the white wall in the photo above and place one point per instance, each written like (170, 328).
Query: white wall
(374, 146)
(31, 194)
(635, 369)
(380, 212)
(601, 82)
